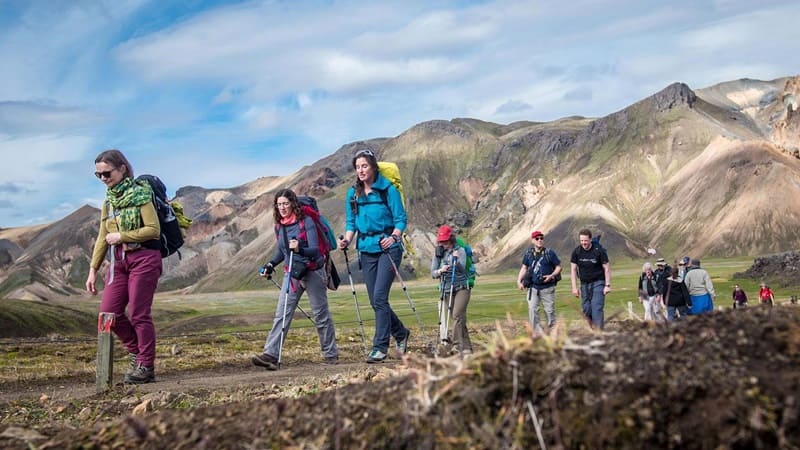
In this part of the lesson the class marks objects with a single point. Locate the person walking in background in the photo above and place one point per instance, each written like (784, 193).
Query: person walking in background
(447, 258)
(683, 267)
(765, 295)
(663, 270)
(739, 297)
(700, 288)
(591, 264)
(676, 296)
(129, 232)
(540, 268)
(379, 225)
(649, 295)
(296, 234)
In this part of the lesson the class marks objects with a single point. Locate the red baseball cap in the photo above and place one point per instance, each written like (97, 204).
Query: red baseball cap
(536, 234)
(444, 234)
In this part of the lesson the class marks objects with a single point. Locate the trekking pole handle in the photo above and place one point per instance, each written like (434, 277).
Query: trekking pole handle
(346, 242)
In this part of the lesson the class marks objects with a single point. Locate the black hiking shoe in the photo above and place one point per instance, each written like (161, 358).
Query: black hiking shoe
(141, 375)
(266, 361)
(331, 360)
(402, 345)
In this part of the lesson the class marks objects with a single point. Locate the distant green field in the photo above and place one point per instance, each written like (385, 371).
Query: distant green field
(494, 297)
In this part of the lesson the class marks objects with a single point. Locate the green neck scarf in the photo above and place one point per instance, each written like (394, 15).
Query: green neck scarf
(126, 198)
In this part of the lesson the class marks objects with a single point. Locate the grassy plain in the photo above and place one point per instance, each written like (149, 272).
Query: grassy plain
(216, 329)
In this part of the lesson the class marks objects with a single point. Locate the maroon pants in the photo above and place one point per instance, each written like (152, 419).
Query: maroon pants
(135, 280)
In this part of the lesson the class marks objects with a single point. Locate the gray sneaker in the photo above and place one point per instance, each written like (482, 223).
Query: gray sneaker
(402, 345)
(141, 375)
(332, 360)
(375, 356)
(266, 361)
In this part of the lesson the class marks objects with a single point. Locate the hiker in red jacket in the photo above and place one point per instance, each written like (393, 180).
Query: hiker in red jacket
(765, 295)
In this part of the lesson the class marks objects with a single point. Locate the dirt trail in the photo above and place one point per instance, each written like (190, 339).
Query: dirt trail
(222, 378)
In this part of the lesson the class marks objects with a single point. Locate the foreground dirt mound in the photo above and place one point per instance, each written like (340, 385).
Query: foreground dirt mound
(781, 270)
(724, 380)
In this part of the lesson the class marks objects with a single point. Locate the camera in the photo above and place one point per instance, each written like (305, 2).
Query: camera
(439, 251)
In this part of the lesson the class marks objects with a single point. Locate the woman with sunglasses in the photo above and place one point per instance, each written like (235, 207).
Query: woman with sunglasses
(375, 212)
(129, 228)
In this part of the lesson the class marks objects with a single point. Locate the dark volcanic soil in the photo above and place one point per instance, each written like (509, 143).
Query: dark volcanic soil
(724, 380)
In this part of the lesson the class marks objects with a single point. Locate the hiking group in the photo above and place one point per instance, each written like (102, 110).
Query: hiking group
(139, 227)
(670, 293)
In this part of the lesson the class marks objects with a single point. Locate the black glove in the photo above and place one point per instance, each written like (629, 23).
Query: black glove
(267, 269)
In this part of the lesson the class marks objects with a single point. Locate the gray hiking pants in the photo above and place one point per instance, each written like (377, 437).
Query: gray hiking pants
(547, 299)
(315, 282)
(461, 339)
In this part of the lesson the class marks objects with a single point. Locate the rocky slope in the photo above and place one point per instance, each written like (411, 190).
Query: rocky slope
(708, 173)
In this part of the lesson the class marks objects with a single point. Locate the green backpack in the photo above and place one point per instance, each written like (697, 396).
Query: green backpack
(471, 272)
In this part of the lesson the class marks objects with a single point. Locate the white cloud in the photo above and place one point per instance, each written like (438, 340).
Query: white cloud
(262, 87)
(26, 118)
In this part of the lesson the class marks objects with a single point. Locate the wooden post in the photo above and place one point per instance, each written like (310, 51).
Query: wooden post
(105, 351)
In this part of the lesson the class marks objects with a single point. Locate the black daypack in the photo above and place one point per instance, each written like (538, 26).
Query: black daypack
(171, 235)
(546, 255)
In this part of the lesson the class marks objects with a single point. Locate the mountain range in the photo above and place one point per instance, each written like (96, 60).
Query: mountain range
(706, 172)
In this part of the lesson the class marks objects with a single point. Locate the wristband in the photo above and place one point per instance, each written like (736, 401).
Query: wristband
(608, 285)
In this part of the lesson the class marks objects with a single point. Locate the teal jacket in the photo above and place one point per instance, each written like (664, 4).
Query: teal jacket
(371, 218)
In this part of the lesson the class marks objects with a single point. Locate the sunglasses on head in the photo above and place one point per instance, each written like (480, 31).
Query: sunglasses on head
(106, 174)
(365, 152)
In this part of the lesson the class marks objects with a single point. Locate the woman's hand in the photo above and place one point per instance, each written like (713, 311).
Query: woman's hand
(293, 245)
(114, 238)
(91, 281)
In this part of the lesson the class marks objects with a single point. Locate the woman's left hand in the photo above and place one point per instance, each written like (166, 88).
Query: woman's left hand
(114, 238)
(387, 242)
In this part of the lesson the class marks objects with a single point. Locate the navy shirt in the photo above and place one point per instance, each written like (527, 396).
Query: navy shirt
(539, 265)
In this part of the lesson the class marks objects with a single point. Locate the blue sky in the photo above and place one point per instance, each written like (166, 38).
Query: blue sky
(216, 94)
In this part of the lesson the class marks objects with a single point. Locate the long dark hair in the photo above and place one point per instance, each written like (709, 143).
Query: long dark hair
(292, 197)
(116, 159)
(372, 160)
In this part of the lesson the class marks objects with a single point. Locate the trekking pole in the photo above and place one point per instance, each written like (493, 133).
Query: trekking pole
(441, 310)
(410, 303)
(355, 299)
(285, 303)
(449, 312)
(298, 304)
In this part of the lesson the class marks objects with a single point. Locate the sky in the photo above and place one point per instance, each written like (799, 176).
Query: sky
(218, 93)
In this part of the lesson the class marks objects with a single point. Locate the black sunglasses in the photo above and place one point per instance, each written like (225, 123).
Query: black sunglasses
(366, 152)
(106, 174)
(538, 238)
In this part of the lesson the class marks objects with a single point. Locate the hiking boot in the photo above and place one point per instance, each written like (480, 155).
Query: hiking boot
(133, 364)
(266, 361)
(141, 375)
(402, 345)
(375, 356)
(331, 360)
